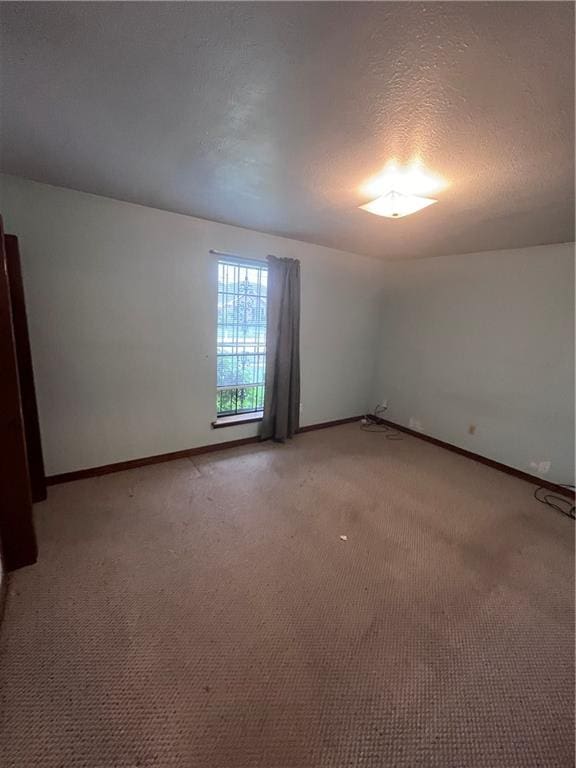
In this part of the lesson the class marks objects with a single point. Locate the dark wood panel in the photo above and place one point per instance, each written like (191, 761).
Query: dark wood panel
(121, 466)
(481, 459)
(17, 537)
(80, 474)
(3, 597)
(25, 371)
(325, 424)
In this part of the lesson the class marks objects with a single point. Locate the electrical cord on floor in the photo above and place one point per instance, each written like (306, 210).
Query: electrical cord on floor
(389, 433)
(371, 424)
(559, 503)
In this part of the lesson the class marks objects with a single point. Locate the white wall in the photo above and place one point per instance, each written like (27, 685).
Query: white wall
(121, 305)
(484, 339)
(122, 312)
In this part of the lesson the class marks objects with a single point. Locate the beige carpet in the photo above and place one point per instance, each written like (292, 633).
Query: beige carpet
(207, 614)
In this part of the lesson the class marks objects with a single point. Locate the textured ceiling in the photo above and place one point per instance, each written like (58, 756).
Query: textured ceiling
(272, 115)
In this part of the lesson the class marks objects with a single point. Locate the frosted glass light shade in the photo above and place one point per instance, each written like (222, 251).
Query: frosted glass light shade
(394, 205)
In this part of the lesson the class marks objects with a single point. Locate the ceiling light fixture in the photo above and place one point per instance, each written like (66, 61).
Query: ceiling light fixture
(401, 191)
(395, 205)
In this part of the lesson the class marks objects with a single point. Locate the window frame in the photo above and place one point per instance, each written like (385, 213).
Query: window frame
(242, 417)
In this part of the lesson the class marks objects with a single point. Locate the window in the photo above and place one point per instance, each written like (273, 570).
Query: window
(241, 338)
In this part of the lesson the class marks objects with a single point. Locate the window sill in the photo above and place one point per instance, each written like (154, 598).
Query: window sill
(234, 421)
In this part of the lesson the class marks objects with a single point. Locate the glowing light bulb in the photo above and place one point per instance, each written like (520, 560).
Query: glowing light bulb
(401, 191)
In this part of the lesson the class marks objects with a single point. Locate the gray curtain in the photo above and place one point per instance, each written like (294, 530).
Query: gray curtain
(282, 398)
